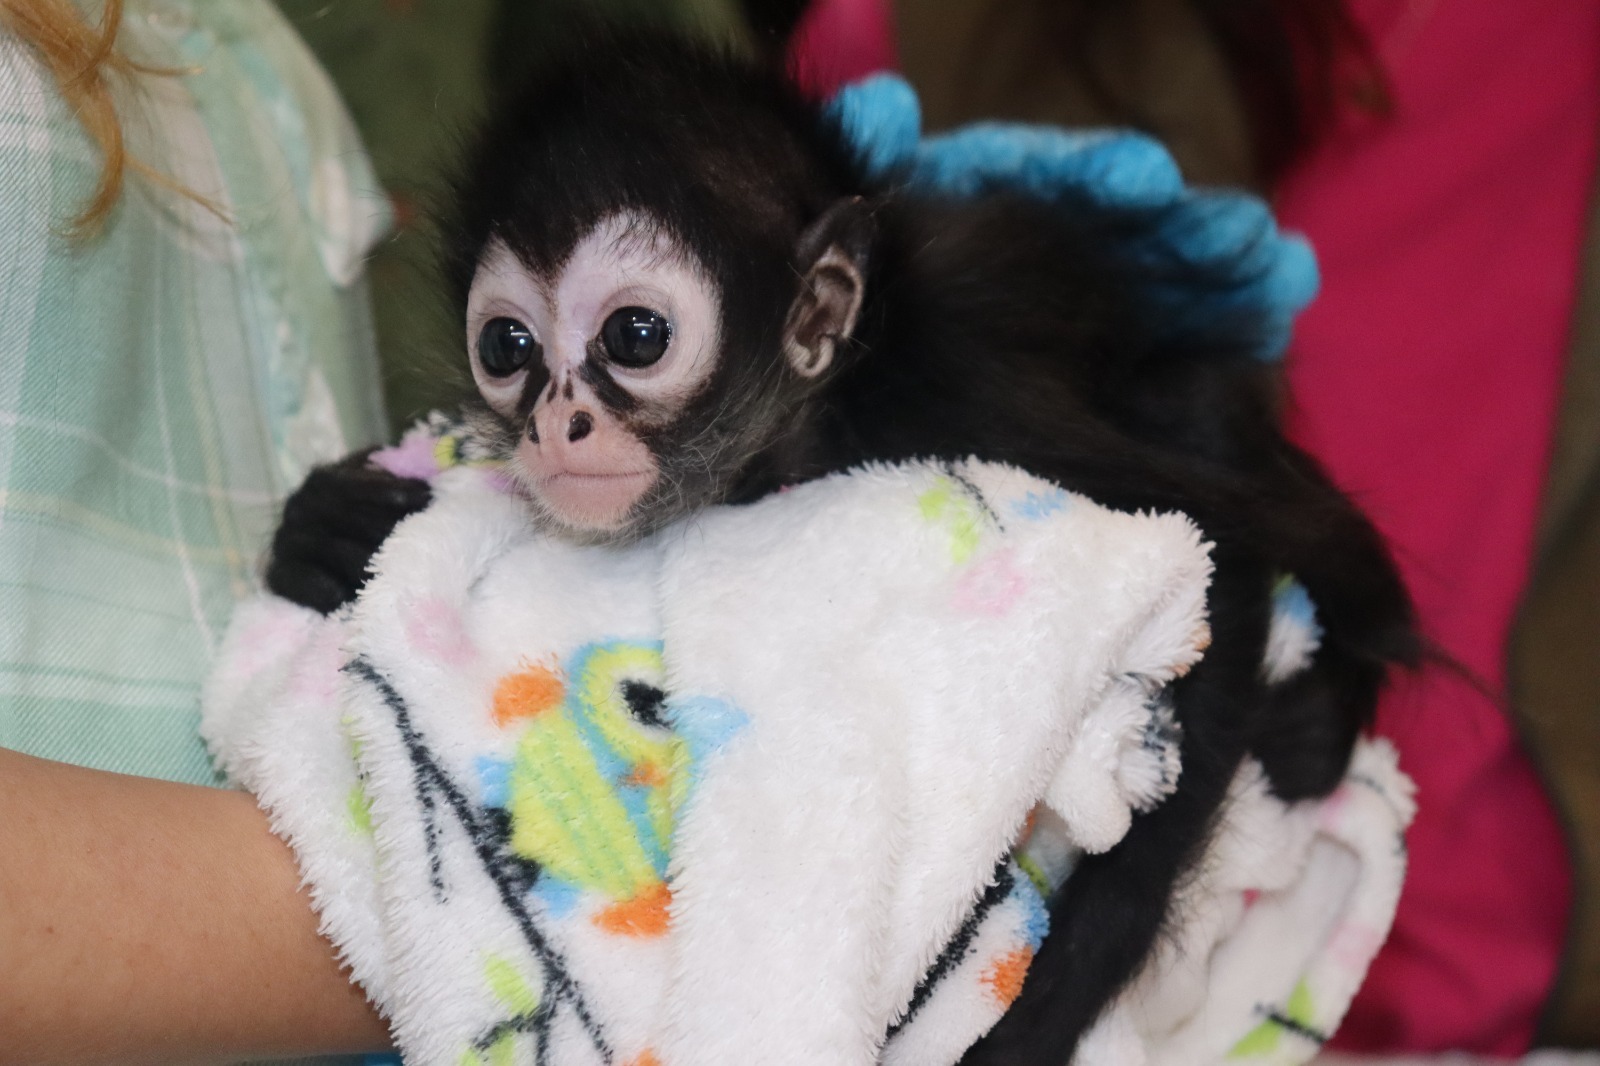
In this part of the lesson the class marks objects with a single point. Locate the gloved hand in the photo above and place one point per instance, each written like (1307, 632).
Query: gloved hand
(1226, 241)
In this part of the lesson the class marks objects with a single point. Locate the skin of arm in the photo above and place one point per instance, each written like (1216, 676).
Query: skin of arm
(143, 921)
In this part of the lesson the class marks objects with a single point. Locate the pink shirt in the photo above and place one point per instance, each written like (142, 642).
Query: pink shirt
(840, 41)
(1426, 377)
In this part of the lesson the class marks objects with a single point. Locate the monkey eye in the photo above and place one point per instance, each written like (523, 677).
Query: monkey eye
(505, 346)
(635, 336)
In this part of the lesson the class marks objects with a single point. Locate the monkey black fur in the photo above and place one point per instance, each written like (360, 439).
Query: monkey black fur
(1004, 327)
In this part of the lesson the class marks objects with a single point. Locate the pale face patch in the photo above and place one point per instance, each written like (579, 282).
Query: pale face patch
(625, 261)
(581, 456)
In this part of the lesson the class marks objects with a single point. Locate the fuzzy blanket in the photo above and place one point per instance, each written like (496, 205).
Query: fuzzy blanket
(788, 783)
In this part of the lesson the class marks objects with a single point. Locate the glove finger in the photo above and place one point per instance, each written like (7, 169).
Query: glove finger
(1111, 167)
(882, 118)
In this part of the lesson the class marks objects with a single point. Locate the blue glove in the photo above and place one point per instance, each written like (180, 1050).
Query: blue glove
(1266, 275)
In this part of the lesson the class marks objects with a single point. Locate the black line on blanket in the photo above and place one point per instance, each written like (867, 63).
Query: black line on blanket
(430, 833)
(536, 1021)
(541, 1044)
(430, 778)
(975, 492)
(1282, 1020)
(958, 946)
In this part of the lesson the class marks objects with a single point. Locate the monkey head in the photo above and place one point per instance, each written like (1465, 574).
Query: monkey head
(659, 279)
(630, 405)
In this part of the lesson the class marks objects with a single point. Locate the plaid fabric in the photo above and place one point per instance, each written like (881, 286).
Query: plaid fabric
(163, 385)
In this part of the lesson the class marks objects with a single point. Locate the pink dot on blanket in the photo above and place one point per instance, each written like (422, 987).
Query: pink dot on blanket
(991, 587)
(1354, 944)
(1331, 813)
(317, 678)
(414, 456)
(500, 480)
(266, 636)
(436, 629)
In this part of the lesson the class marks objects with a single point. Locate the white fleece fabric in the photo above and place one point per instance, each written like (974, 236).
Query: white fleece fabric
(786, 784)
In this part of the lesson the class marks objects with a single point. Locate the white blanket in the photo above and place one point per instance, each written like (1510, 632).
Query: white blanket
(783, 784)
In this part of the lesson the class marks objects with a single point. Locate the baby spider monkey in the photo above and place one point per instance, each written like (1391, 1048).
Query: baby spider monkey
(681, 287)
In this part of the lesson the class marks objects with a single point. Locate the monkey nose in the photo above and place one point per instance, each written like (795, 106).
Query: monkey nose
(580, 426)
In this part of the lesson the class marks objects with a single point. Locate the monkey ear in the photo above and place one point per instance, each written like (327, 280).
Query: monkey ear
(833, 254)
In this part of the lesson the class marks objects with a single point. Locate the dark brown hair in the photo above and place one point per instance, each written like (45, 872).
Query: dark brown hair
(1295, 63)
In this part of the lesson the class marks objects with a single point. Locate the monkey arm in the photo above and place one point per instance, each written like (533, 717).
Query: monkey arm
(146, 921)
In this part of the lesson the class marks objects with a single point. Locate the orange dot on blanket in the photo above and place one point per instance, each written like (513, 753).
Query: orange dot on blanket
(1004, 977)
(645, 915)
(528, 693)
(647, 774)
(646, 1058)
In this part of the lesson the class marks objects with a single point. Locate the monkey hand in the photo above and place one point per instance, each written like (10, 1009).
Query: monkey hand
(332, 525)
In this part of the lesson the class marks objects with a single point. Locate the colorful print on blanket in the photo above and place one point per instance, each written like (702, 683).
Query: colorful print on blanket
(790, 785)
(590, 792)
(579, 817)
(576, 821)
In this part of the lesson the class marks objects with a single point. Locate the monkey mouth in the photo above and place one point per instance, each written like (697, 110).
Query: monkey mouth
(592, 500)
(574, 471)
(582, 477)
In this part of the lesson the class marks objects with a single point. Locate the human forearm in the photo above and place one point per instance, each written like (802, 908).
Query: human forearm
(145, 921)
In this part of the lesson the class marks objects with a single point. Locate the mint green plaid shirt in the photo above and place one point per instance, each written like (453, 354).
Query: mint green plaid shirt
(163, 385)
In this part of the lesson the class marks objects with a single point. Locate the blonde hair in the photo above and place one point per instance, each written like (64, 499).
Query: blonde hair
(83, 59)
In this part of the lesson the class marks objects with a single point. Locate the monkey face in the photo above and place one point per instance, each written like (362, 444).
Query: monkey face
(588, 360)
(627, 397)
